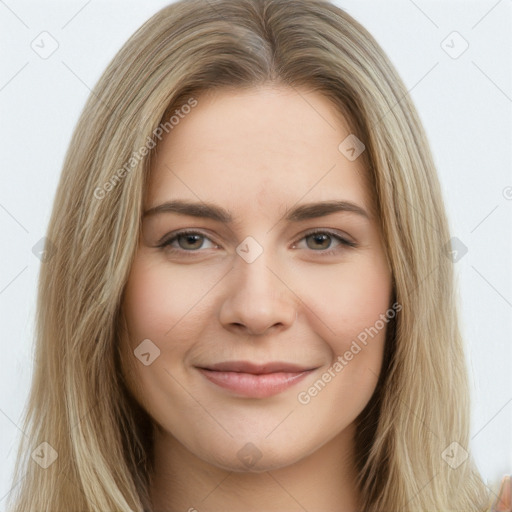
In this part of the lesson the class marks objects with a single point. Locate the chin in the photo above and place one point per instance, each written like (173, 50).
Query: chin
(252, 457)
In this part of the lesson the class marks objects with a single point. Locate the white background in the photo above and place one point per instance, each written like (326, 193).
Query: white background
(465, 104)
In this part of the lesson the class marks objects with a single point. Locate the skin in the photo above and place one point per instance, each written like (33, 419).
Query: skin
(257, 153)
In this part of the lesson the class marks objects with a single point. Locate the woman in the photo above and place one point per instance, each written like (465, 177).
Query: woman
(255, 369)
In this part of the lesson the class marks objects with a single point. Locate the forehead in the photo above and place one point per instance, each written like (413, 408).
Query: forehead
(264, 146)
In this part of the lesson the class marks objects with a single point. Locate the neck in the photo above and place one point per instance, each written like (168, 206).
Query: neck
(324, 480)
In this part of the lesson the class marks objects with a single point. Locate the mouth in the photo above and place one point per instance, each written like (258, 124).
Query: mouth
(252, 380)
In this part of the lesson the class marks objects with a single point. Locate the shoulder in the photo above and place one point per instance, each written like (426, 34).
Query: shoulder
(503, 500)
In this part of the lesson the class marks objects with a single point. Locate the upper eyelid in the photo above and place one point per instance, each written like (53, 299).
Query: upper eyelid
(330, 231)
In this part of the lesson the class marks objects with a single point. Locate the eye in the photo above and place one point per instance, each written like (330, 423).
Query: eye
(188, 241)
(321, 242)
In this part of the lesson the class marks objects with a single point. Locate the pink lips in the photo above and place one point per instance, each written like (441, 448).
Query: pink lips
(254, 381)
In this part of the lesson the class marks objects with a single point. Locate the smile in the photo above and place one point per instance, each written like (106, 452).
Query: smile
(253, 381)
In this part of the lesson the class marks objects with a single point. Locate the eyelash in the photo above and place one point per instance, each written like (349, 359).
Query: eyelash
(327, 252)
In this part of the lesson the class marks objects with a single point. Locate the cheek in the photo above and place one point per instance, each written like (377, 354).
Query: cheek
(351, 314)
(353, 325)
(344, 302)
(162, 303)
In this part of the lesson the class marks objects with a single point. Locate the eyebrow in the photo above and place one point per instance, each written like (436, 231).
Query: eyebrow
(297, 214)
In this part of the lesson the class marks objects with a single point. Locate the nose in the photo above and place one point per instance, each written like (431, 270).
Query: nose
(258, 298)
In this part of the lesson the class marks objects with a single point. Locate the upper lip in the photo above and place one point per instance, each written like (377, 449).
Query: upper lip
(248, 367)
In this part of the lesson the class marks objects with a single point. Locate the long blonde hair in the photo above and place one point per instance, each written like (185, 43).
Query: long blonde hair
(79, 403)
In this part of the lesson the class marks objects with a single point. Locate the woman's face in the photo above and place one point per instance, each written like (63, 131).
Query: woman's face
(257, 339)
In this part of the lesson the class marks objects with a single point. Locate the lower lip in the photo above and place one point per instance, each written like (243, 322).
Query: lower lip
(254, 386)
